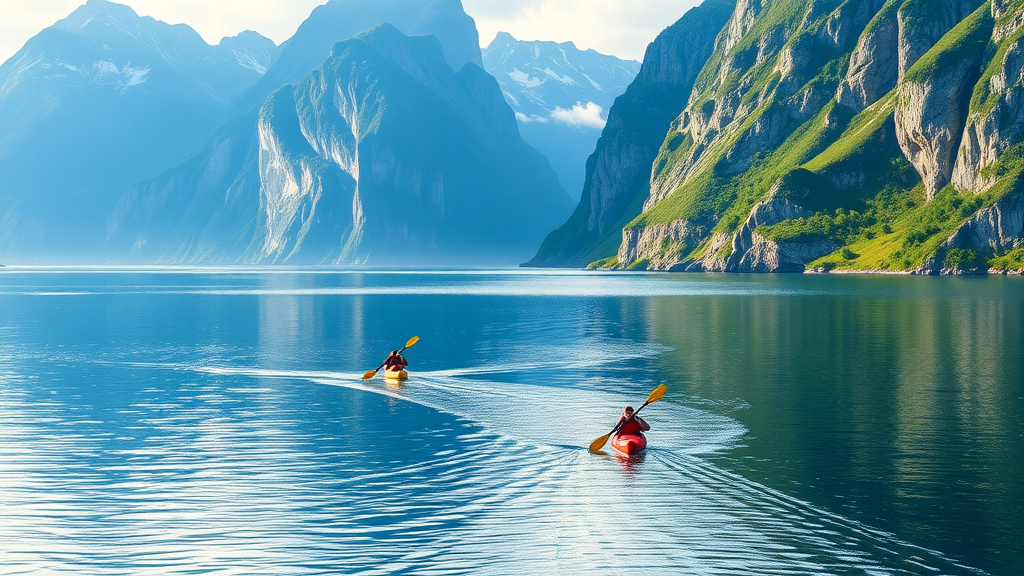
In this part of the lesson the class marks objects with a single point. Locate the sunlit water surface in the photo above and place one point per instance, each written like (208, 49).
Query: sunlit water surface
(214, 421)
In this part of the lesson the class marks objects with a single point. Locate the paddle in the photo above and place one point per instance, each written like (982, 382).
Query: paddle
(654, 396)
(412, 342)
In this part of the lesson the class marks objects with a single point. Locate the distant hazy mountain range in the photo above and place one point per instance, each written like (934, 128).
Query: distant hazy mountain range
(93, 104)
(372, 136)
(382, 155)
(561, 96)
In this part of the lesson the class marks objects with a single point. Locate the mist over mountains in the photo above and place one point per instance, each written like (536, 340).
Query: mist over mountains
(96, 102)
(756, 136)
(561, 96)
(372, 136)
(384, 155)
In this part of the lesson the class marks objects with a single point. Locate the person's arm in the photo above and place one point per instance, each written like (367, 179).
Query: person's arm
(643, 424)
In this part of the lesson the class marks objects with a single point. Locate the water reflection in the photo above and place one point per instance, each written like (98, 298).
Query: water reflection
(631, 465)
(217, 424)
(897, 406)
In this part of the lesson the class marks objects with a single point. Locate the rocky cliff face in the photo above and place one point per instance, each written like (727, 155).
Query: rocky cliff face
(856, 134)
(383, 155)
(749, 251)
(997, 111)
(618, 172)
(933, 101)
(923, 23)
(875, 63)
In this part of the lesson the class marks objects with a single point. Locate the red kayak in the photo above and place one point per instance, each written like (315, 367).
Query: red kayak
(629, 444)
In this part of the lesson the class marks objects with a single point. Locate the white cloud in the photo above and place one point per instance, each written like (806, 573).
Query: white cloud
(587, 115)
(531, 118)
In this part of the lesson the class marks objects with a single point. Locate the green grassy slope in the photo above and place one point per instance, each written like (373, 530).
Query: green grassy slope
(848, 171)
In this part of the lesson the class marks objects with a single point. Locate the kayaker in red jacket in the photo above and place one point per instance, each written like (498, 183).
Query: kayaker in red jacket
(395, 361)
(635, 425)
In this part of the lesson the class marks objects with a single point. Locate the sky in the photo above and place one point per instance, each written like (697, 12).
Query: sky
(619, 27)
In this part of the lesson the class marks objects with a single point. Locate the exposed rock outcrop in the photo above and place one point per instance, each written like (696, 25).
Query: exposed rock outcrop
(749, 251)
(929, 121)
(874, 64)
(923, 23)
(993, 230)
(934, 96)
(752, 252)
(996, 125)
(658, 247)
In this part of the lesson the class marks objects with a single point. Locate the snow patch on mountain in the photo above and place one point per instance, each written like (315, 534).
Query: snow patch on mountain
(560, 95)
(123, 78)
(524, 79)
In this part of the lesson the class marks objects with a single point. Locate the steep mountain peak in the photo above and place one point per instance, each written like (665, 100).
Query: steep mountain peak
(379, 155)
(501, 39)
(539, 75)
(97, 9)
(247, 36)
(340, 20)
(107, 97)
(251, 49)
(107, 21)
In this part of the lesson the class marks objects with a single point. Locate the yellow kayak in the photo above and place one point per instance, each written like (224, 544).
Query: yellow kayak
(396, 375)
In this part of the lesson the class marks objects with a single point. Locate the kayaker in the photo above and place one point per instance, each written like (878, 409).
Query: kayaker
(395, 361)
(631, 424)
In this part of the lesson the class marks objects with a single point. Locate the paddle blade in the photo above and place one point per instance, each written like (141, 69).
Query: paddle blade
(657, 394)
(412, 341)
(596, 445)
(369, 375)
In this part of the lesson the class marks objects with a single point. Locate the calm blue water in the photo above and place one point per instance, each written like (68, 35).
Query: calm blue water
(214, 422)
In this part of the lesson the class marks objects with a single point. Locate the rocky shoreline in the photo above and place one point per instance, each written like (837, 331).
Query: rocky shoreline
(944, 272)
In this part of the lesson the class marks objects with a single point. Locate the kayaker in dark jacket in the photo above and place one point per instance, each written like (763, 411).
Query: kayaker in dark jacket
(634, 425)
(395, 361)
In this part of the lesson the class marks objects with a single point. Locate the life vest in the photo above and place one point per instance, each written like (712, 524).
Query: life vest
(632, 428)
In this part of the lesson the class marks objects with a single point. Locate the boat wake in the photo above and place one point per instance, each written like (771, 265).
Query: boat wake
(537, 498)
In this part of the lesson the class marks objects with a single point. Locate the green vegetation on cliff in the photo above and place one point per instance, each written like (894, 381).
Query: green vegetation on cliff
(618, 172)
(764, 129)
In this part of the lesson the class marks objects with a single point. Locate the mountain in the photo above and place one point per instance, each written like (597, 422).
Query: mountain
(96, 102)
(384, 155)
(560, 95)
(618, 172)
(339, 20)
(839, 134)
